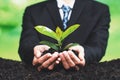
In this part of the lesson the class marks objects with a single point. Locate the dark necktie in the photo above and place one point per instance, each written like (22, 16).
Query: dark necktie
(66, 11)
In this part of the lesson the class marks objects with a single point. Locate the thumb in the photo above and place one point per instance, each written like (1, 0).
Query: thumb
(37, 53)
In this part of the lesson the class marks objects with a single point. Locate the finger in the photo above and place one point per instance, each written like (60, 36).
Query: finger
(77, 68)
(50, 60)
(82, 63)
(64, 62)
(51, 66)
(58, 60)
(46, 47)
(75, 59)
(39, 49)
(80, 51)
(68, 59)
(39, 68)
(37, 52)
(43, 48)
(74, 48)
(35, 61)
(44, 58)
(80, 57)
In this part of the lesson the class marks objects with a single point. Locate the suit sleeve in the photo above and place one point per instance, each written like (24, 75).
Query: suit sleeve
(29, 38)
(96, 43)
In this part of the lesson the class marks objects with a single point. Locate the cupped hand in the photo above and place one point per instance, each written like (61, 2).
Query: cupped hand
(70, 60)
(47, 60)
(38, 51)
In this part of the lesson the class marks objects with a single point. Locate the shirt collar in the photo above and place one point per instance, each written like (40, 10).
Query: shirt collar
(60, 3)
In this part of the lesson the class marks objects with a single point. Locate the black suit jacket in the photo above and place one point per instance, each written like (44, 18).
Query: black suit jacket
(93, 33)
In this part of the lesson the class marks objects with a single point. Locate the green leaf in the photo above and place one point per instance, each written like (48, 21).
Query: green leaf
(50, 44)
(59, 32)
(46, 31)
(70, 45)
(69, 31)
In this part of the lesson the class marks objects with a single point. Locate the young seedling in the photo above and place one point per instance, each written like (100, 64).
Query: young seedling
(58, 35)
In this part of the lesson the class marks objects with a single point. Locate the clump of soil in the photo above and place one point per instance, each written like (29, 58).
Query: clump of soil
(15, 70)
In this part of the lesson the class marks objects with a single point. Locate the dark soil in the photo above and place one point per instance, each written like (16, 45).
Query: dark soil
(14, 70)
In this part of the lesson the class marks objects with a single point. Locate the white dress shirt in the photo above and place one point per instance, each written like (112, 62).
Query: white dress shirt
(60, 3)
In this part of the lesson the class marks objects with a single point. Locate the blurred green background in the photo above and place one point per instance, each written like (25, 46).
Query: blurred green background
(11, 12)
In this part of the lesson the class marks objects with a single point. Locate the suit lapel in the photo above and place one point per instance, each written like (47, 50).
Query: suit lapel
(54, 13)
(77, 9)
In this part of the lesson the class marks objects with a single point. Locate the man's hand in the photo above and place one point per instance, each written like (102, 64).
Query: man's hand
(46, 61)
(70, 60)
(38, 51)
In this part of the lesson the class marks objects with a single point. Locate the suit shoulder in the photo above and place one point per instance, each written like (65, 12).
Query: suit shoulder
(40, 4)
(37, 5)
(99, 4)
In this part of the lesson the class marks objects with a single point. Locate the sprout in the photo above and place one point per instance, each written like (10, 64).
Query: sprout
(58, 35)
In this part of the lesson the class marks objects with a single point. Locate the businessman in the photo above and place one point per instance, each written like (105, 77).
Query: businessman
(92, 35)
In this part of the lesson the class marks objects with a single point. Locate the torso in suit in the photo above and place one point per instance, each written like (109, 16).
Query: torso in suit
(93, 33)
